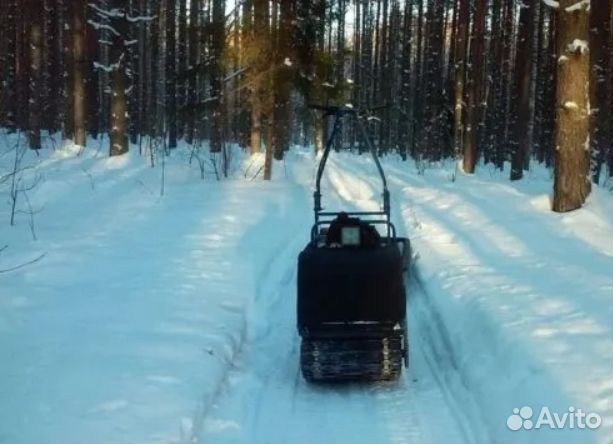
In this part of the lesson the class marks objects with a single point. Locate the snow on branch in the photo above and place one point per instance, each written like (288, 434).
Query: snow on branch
(583, 4)
(552, 3)
(98, 26)
(119, 13)
(106, 68)
(110, 68)
(140, 18)
(111, 13)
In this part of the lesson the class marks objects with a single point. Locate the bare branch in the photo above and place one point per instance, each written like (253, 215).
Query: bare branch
(25, 264)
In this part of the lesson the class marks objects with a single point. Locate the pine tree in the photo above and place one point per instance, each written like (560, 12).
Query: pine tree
(217, 92)
(461, 41)
(79, 68)
(521, 140)
(571, 183)
(601, 84)
(8, 55)
(474, 89)
(171, 91)
(194, 51)
(35, 41)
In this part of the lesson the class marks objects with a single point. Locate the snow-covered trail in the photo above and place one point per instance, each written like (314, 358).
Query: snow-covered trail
(509, 306)
(265, 399)
(173, 319)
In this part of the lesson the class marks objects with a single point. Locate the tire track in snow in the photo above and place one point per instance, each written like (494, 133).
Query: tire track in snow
(265, 398)
(435, 343)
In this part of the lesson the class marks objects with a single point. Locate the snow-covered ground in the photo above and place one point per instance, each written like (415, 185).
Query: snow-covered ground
(172, 318)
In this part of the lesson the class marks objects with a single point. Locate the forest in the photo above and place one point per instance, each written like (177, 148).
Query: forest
(479, 81)
(306, 221)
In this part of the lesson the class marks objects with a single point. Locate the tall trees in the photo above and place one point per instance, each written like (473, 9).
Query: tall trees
(461, 78)
(571, 181)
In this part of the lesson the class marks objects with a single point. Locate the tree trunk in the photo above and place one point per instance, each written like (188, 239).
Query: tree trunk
(194, 49)
(268, 154)
(601, 84)
(171, 90)
(283, 86)
(259, 73)
(78, 74)
(35, 9)
(571, 183)
(182, 58)
(475, 86)
(459, 75)
(218, 43)
(256, 129)
(8, 102)
(118, 59)
(523, 71)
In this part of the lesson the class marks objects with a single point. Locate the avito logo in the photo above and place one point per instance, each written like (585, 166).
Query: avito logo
(522, 418)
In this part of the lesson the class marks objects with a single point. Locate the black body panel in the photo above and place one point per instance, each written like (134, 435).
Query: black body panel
(362, 287)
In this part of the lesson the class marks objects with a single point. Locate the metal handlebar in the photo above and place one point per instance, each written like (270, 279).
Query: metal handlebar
(339, 112)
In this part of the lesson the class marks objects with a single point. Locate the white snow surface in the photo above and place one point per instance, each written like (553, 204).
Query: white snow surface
(157, 319)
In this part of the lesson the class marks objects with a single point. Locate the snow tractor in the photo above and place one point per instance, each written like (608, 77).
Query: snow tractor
(351, 285)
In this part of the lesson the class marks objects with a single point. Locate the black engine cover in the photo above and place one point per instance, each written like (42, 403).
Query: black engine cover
(362, 286)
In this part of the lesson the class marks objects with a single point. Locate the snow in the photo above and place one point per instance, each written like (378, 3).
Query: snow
(582, 4)
(552, 3)
(111, 13)
(578, 45)
(173, 318)
(287, 61)
(97, 26)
